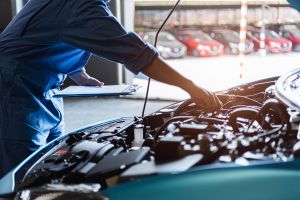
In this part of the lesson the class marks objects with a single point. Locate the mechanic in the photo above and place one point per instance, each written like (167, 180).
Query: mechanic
(51, 39)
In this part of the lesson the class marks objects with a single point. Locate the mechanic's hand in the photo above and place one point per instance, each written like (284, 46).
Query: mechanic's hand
(91, 81)
(83, 79)
(204, 98)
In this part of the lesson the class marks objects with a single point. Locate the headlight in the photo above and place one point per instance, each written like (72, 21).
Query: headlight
(203, 47)
(234, 45)
(274, 44)
(162, 48)
(167, 49)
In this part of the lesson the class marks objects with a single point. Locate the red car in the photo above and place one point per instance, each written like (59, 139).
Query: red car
(274, 43)
(294, 37)
(200, 44)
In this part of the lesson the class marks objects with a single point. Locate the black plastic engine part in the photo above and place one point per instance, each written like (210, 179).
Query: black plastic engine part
(154, 120)
(73, 138)
(167, 148)
(277, 107)
(246, 113)
(114, 164)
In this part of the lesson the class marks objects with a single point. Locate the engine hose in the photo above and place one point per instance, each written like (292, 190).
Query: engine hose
(270, 132)
(182, 107)
(173, 119)
(247, 113)
(223, 97)
(210, 120)
(245, 106)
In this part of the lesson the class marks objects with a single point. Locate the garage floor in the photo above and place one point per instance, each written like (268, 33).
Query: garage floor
(80, 112)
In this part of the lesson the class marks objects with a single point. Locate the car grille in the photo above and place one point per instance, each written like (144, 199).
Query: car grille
(214, 48)
(285, 45)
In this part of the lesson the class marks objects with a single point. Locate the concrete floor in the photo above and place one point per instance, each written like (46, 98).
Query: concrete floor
(80, 112)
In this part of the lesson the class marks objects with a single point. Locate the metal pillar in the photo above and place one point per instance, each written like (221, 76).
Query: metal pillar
(243, 35)
(262, 37)
(128, 12)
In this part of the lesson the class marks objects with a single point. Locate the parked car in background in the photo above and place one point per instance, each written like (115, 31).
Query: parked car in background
(167, 45)
(199, 43)
(293, 36)
(230, 39)
(273, 41)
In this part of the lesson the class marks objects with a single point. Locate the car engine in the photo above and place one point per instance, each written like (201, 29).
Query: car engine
(253, 127)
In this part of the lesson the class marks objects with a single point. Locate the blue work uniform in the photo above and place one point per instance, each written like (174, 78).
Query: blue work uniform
(45, 42)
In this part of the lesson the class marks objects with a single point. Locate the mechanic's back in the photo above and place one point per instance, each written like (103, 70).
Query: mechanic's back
(45, 42)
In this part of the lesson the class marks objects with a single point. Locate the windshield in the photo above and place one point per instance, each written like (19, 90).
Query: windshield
(166, 37)
(163, 37)
(296, 34)
(231, 36)
(290, 27)
(272, 35)
(200, 36)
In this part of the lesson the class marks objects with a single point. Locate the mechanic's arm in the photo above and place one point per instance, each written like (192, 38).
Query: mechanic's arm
(92, 27)
(161, 71)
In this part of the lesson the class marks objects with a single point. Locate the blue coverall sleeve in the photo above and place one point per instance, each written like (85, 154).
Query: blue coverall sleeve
(92, 27)
(82, 69)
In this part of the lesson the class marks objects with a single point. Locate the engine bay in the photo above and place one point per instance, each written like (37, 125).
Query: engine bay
(253, 127)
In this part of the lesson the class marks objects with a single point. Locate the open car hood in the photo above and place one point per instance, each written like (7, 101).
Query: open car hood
(180, 151)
